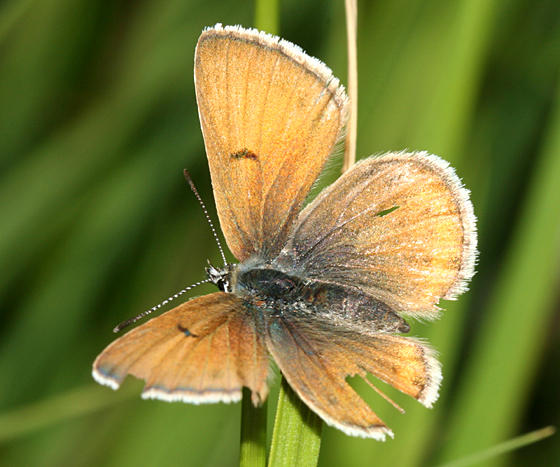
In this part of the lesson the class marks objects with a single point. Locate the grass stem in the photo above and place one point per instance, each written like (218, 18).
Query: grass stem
(296, 439)
(253, 433)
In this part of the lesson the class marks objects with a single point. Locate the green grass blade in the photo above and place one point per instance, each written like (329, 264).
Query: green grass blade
(253, 432)
(502, 448)
(296, 439)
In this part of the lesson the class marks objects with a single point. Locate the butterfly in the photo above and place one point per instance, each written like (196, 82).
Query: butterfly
(321, 288)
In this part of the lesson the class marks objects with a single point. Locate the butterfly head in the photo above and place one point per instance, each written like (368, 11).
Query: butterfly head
(221, 278)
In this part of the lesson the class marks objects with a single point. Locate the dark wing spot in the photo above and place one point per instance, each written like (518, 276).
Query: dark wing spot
(185, 331)
(419, 381)
(387, 211)
(244, 154)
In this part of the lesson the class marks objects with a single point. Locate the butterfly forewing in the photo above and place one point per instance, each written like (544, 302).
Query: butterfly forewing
(204, 350)
(399, 227)
(270, 116)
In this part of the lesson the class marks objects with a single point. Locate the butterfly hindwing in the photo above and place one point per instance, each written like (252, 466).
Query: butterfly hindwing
(204, 350)
(316, 358)
(399, 227)
(268, 131)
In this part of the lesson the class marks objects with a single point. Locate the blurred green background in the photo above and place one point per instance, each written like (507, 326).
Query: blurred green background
(97, 121)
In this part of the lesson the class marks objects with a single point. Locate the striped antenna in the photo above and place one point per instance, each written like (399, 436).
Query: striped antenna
(195, 191)
(133, 320)
(128, 322)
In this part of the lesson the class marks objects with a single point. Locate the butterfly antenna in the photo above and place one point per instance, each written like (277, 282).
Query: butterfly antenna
(128, 322)
(195, 191)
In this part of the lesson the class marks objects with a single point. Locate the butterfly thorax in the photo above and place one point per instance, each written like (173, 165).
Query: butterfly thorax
(277, 293)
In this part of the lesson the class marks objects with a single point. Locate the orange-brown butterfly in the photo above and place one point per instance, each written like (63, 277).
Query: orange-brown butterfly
(322, 290)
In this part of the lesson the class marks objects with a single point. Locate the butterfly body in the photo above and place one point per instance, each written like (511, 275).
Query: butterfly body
(321, 289)
(278, 294)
